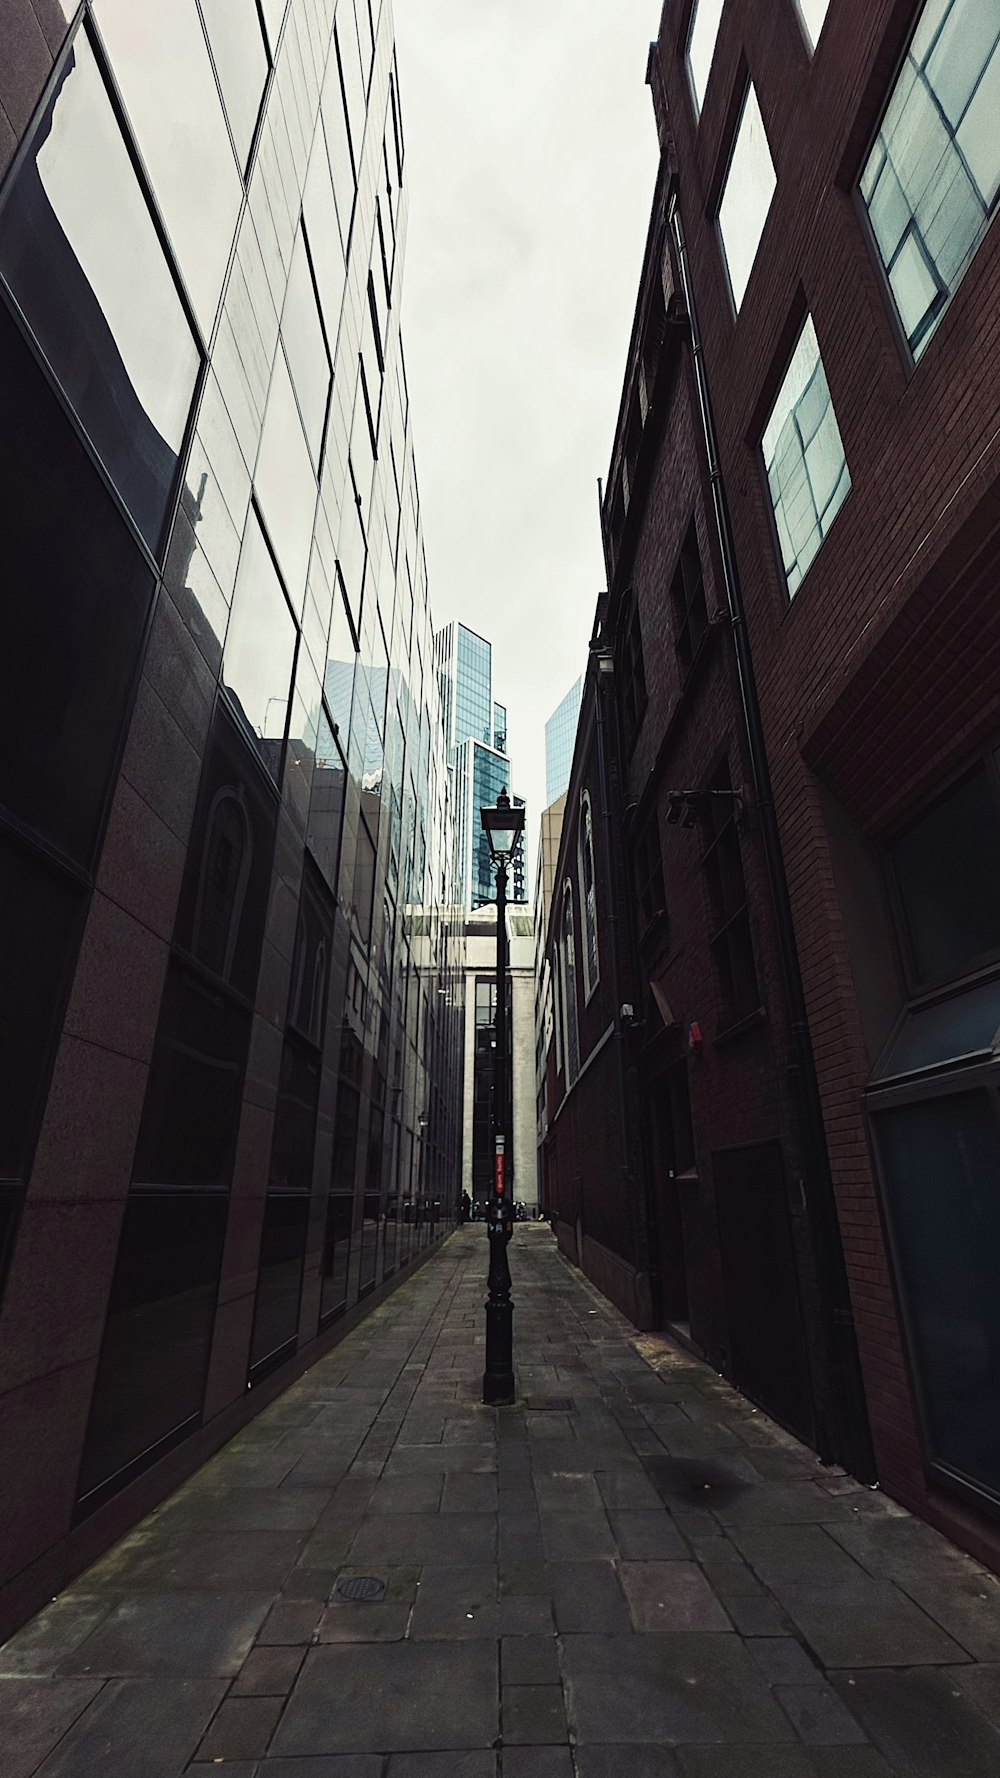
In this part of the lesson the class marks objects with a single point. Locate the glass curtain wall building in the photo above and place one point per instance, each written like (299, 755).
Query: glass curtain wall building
(231, 945)
(560, 740)
(478, 764)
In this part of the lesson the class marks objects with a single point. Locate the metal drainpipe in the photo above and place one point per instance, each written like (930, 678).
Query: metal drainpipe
(847, 1439)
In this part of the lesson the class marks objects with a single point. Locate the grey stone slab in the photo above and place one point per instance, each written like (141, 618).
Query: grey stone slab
(425, 1537)
(982, 1685)
(922, 1723)
(291, 1623)
(440, 1765)
(526, 1614)
(567, 1492)
(751, 1762)
(584, 1457)
(783, 1661)
(34, 1716)
(671, 1596)
(537, 1762)
(469, 1493)
(338, 1765)
(628, 1762)
(407, 1494)
(147, 1726)
(425, 1702)
(953, 1589)
(818, 1715)
(268, 1673)
(250, 1509)
(53, 1635)
(576, 1536)
(628, 1491)
(520, 1577)
(456, 1604)
(197, 1633)
(155, 1561)
(587, 1596)
(236, 1768)
(648, 1536)
(529, 1660)
(440, 1459)
(240, 1729)
(533, 1715)
(870, 1625)
(674, 1689)
(386, 1620)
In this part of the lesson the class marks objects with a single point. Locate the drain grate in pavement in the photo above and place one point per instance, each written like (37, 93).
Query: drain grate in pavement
(549, 1404)
(361, 1589)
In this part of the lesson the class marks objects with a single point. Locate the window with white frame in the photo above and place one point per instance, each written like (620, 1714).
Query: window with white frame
(746, 196)
(588, 895)
(931, 182)
(706, 16)
(807, 471)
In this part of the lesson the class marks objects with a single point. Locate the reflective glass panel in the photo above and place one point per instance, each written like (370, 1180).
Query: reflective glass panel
(947, 868)
(807, 471)
(336, 1254)
(706, 16)
(192, 1109)
(274, 18)
(305, 347)
(746, 197)
(162, 66)
(260, 648)
(931, 181)
(326, 804)
(279, 1282)
(76, 243)
(241, 62)
(285, 482)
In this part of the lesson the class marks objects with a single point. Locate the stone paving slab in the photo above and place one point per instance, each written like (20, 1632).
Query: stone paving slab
(632, 1573)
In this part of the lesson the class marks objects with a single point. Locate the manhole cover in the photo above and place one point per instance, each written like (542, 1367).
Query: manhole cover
(364, 1589)
(549, 1404)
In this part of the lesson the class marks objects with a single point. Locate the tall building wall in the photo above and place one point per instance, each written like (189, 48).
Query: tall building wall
(560, 739)
(476, 728)
(231, 1048)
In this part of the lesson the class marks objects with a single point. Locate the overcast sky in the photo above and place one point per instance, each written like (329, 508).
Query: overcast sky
(531, 158)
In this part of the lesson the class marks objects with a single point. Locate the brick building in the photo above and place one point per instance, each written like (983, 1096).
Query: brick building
(833, 173)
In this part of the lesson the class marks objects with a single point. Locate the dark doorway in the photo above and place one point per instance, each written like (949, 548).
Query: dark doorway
(767, 1346)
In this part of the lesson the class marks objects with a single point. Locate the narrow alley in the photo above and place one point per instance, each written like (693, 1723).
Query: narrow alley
(631, 1572)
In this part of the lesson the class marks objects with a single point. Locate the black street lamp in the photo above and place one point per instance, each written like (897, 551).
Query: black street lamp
(503, 826)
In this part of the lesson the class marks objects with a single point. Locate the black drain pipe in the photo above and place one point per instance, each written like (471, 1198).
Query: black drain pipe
(843, 1435)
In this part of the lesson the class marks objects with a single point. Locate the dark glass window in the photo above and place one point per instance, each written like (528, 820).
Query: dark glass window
(192, 1110)
(154, 1358)
(633, 680)
(260, 649)
(77, 242)
(279, 1282)
(305, 346)
(687, 592)
(941, 1167)
(241, 63)
(647, 868)
(295, 1119)
(223, 904)
(947, 871)
(77, 600)
(336, 1256)
(326, 805)
(486, 1001)
(311, 963)
(730, 941)
(364, 883)
(41, 920)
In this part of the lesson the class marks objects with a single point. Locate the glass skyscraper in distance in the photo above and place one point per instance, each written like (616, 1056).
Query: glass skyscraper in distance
(476, 734)
(560, 740)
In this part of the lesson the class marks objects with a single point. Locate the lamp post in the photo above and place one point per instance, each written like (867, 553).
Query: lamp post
(503, 826)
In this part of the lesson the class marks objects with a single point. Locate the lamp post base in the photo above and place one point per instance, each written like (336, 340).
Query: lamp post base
(498, 1377)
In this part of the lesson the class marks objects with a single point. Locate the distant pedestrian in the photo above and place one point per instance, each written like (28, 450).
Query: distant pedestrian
(466, 1207)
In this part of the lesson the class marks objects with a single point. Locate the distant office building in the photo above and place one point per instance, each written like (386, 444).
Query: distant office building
(230, 1049)
(560, 739)
(478, 1145)
(476, 732)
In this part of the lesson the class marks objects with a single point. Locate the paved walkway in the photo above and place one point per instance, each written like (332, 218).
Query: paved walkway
(632, 1574)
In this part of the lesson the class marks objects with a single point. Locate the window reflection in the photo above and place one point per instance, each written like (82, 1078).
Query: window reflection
(76, 243)
(305, 346)
(285, 482)
(260, 649)
(162, 67)
(327, 804)
(241, 63)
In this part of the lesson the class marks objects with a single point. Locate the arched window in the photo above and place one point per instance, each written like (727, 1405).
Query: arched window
(567, 982)
(222, 884)
(588, 895)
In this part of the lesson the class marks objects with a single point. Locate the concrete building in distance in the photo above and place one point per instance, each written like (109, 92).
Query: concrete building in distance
(476, 730)
(480, 1052)
(231, 1046)
(560, 737)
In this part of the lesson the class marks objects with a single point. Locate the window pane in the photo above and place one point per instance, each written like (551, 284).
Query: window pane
(327, 804)
(939, 127)
(192, 1108)
(336, 1253)
(76, 244)
(746, 196)
(813, 13)
(279, 1283)
(305, 347)
(948, 871)
(274, 17)
(241, 61)
(154, 1359)
(161, 63)
(260, 647)
(285, 482)
(942, 1167)
(702, 33)
(804, 457)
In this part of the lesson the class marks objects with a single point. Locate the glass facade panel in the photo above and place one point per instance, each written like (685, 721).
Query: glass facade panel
(746, 197)
(807, 471)
(286, 483)
(947, 869)
(190, 1118)
(305, 347)
(77, 242)
(560, 740)
(240, 57)
(260, 649)
(279, 1282)
(931, 181)
(706, 17)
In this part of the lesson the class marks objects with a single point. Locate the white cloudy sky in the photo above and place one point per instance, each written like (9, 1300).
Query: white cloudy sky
(531, 156)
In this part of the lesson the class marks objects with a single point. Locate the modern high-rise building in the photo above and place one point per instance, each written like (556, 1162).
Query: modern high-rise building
(231, 1042)
(560, 739)
(476, 730)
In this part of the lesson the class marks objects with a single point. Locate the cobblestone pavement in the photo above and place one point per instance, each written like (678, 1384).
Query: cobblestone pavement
(631, 1574)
